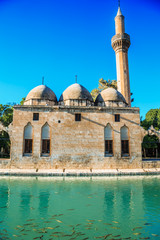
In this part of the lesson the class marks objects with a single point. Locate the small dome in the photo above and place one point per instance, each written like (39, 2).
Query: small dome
(110, 95)
(41, 92)
(41, 95)
(76, 92)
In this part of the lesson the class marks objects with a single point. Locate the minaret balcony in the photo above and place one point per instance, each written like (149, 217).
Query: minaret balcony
(121, 42)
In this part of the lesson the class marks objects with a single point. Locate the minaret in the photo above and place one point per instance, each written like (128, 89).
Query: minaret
(120, 44)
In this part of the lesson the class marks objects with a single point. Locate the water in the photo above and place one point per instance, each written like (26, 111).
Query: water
(79, 208)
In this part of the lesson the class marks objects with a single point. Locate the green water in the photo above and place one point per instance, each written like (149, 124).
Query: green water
(79, 208)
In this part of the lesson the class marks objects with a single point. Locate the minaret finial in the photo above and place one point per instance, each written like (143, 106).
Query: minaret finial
(75, 78)
(119, 3)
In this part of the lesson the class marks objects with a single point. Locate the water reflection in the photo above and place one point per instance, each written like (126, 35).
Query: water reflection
(123, 207)
(44, 202)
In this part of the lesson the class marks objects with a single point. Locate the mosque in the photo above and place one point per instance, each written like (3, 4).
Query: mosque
(76, 132)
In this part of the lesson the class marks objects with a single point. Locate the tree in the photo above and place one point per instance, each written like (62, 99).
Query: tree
(4, 145)
(22, 101)
(6, 114)
(103, 84)
(152, 118)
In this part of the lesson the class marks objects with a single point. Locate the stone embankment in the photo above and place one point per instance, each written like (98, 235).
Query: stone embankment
(75, 172)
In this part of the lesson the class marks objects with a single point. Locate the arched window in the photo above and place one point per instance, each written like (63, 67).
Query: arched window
(108, 140)
(45, 140)
(124, 142)
(28, 139)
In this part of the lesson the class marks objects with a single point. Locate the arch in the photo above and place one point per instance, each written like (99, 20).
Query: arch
(108, 137)
(45, 140)
(151, 147)
(124, 141)
(28, 140)
(5, 144)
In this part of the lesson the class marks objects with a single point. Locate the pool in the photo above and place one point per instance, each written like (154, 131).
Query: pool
(80, 208)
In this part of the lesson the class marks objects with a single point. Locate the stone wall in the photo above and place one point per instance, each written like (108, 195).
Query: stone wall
(76, 144)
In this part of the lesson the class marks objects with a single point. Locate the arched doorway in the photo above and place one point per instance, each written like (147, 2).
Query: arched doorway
(4, 145)
(151, 147)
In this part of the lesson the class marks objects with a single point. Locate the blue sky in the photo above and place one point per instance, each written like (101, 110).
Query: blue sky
(59, 39)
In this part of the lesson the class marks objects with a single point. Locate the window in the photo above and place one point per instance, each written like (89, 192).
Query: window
(125, 147)
(45, 148)
(35, 116)
(78, 117)
(28, 146)
(124, 142)
(28, 142)
(117, 117)
(108, 147)
(108, 140)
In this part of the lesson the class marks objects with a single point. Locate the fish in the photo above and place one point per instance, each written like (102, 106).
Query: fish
(117, 236)
(90, 223)
(59, 221)
(67, 235)
(99, 220)
(78, 224)
(107, 223)
(27, 224)
(155, 235)
(85, 238)
(80, 234)
(30, 220)
(104, 237)
(144, 238)
(115, 227)
(38, 237)
(136, 228)
(148, 224)
(49, 228)
(114, 222)
(137, 234)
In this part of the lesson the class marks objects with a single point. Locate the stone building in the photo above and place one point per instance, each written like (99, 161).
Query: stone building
(76, 132)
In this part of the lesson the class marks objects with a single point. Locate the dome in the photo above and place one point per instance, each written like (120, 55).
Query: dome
(76, 92)
(41, 94)
(110, 95)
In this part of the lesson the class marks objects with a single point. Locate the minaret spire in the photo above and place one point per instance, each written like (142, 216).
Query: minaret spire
(120, 44)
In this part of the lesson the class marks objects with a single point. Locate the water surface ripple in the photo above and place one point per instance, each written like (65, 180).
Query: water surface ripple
(79, 208)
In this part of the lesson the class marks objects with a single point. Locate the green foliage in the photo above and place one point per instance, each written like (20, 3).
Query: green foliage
(152, 118)
(150, 141)
(4, 145)
(103, 84)
(22, 101)
(6, 114)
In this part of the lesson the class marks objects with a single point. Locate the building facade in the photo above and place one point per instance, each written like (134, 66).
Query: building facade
(76, 132)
